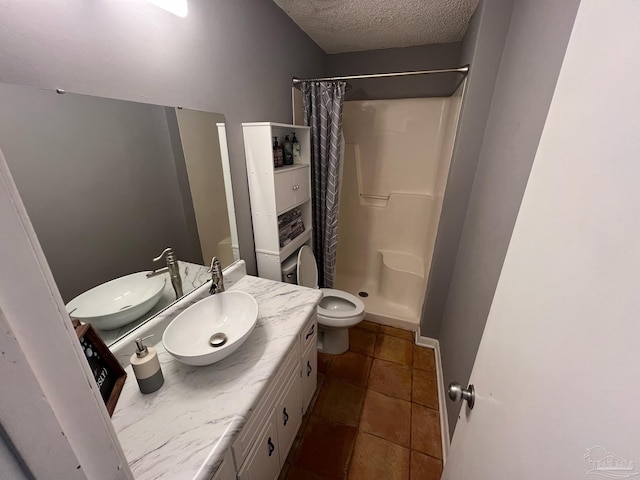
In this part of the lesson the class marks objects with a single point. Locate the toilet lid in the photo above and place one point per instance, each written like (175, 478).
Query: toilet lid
(307, 268)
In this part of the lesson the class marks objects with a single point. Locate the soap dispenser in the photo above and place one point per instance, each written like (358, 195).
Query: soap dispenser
(146, 367)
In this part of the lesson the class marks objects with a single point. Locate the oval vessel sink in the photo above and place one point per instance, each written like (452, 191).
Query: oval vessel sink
(211, 329)
(118, 302)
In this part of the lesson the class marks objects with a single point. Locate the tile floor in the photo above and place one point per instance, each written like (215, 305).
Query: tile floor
(375, 414)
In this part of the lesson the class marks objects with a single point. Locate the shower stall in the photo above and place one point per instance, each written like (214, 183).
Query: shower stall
(396, 162)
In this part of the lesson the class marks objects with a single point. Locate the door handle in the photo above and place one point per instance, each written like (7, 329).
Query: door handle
(309, 369)
(286, 416)
(459, 394)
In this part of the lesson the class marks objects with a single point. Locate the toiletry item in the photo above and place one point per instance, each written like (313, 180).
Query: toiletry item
(278, 155)
(297, 159)
(288, 151)
(146, 367)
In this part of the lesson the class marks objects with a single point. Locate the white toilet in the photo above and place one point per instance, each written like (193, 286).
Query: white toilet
(337, 311)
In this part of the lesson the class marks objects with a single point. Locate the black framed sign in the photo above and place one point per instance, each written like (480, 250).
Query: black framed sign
(107, 371)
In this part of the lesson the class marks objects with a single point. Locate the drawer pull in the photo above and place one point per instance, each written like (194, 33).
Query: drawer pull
(313, 329)
(309, 369)
(272, 447)
(296, 187)
(286, 416)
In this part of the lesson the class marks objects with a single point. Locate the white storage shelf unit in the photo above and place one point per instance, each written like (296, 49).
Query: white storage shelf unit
(274, 191)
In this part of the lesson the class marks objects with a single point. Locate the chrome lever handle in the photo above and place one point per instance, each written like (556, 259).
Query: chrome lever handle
(459, 394)
(215, 265)
(168, 252)
(217, 280)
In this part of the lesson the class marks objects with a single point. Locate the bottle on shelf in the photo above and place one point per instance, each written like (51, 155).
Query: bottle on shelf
(288, 151)
(297, 156)
(278, 156)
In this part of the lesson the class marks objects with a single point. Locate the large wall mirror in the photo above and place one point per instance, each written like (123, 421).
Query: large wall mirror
(108, 185)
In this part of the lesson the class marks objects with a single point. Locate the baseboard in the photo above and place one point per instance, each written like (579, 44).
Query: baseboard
(442, 402)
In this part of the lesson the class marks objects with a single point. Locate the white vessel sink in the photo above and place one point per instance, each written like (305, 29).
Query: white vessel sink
(118, 302)
(211, 329)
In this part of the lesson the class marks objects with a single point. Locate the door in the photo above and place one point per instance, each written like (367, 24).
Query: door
(557, 375)
(309, 375)
(288, 413)
(263, 461)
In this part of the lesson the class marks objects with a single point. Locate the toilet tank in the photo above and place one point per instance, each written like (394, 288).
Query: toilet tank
(289, 266)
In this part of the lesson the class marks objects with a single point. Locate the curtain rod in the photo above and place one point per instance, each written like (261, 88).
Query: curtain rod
(464, 70)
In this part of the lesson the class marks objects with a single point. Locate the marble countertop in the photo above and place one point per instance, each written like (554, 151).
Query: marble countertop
(183, 430)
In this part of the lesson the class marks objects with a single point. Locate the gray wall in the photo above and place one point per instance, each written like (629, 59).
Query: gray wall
(233, 57)
(98, 179)
(425, 57)
(482, 49)
(535, 46)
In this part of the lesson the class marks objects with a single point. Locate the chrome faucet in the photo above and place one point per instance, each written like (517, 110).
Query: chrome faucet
(217, 280)
(173, 269)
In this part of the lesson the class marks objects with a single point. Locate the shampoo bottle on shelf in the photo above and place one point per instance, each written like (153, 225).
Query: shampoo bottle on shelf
(296, 149)
(288, 151)
(146, 367)
(278, 158)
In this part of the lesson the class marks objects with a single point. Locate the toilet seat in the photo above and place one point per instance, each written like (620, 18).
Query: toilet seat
(337, 308)
(307, 269)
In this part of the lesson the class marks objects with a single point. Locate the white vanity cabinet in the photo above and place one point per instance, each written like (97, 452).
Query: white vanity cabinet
(288, 413)
(226, 470)
(309, 375)
(219, 422)
(262, 446)
(309, 362)
(263, 461)
(274, 191)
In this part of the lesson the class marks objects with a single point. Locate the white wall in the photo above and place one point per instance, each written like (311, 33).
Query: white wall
(233, 57)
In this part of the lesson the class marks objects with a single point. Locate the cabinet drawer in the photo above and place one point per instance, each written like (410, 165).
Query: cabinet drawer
(226, 470)
(264, 409)
(292, 188)
(309, 374)
(288, 414)
(309, 333)
(263, 461)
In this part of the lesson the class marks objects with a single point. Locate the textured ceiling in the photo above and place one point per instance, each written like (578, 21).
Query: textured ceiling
(353, 25)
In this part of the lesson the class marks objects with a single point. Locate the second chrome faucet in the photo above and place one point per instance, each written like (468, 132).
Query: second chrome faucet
(173, 269)
(217, 280)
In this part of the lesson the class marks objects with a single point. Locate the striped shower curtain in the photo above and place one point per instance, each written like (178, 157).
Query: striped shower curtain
(322, 107)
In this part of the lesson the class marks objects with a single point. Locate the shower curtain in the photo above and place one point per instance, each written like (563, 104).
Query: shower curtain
(322, 106)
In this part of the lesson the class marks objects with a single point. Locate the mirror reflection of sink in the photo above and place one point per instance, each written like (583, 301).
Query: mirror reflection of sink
(118, 302)
(211, 329)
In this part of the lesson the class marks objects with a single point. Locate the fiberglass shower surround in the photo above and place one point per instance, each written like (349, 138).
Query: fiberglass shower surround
(396, 162)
